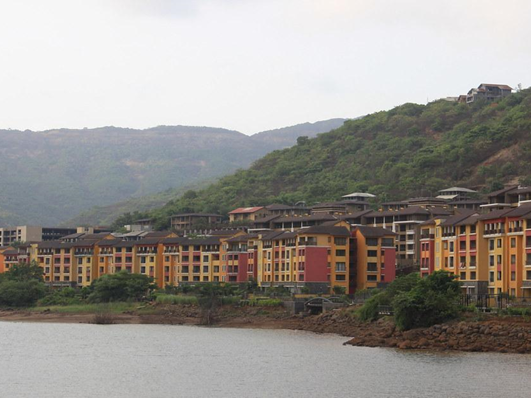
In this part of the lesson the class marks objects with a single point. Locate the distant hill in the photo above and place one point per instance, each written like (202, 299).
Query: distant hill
(411, 150)
(51, 176)
(287, 136)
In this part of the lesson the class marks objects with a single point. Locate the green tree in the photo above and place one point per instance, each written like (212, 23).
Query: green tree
(26, 293)
(432, 300)
(121, 286)
(23, 272)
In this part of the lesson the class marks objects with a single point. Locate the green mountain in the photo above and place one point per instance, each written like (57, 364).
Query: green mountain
(49, 177)
(411, 150)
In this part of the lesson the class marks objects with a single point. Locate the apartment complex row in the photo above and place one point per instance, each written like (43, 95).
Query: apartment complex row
(318, 258)
(489, 253)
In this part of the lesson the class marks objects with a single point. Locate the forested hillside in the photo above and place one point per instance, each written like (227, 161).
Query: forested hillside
(48, 177)
(408, 151)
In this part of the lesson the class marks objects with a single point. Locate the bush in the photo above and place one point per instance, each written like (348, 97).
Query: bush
(257, 302)
(21, 293)
(121, 286)
(432, 300)
(65, 296)
(177, 300)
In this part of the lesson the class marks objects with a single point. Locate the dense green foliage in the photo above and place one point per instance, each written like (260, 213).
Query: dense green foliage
(411, 150)
(60, 173)
(432, 300)
(21, 285)
(64, 296)
(369, 311)
(417, 302)
(121, 286)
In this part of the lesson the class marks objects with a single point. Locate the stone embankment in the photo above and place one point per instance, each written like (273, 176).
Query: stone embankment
(494, 335)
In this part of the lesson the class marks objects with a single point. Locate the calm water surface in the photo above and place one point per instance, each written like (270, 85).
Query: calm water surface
(62, 360)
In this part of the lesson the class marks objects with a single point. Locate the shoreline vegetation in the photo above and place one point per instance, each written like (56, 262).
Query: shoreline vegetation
(471, 333)
(410, 313)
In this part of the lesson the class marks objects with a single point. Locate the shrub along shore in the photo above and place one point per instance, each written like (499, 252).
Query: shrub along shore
(426, 313)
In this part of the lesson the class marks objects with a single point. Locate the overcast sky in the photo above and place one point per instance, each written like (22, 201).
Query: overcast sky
(247, 65)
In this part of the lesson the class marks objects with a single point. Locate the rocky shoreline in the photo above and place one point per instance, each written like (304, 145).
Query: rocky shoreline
(490, 334)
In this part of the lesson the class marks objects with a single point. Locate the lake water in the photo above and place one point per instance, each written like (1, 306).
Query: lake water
(77, 360)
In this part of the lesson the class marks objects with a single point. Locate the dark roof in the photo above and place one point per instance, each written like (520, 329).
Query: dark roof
(157, 234)
(356, 214)
(322, 229)
(472, 220)
(277, 206)
(173, 241)
(468, 202)
(340, 203)
(374, 232)
(494, 214)
(10, 252)
(270, 235)
(196, 215)
(99, 235)
(412, 210)
(453, 220)
(147, 241)
(520, 211)
(311, 217)
(77, 235)
(267, 219)
(55, 244)
(242, 238)
(225, 232)
(502, 191)
(85, 243)
(211, 240)
(108, 242)
(500, 86)
(125, 243)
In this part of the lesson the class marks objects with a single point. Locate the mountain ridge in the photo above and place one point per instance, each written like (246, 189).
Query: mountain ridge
(53, 175)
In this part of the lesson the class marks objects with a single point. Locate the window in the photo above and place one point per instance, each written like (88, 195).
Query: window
(372, 253)
(102, 259)
(462, 276)
(388, 242)
(167, 259)
(372, 278)
(528, 275)
(499, 259)
(340, 241)
(491, 244)
(142, 270)
(445, 245)
(491, 261)
(513, 242)
(499, 243)
(513, 258)
(371, 241)
(473, 276)
(142, 260)
(499, 275)
(341, 267)
(372, 267)
(340, 277)
(513, 275)
(491, 276)
(205, 258)
(451, 247)
(340, 253)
